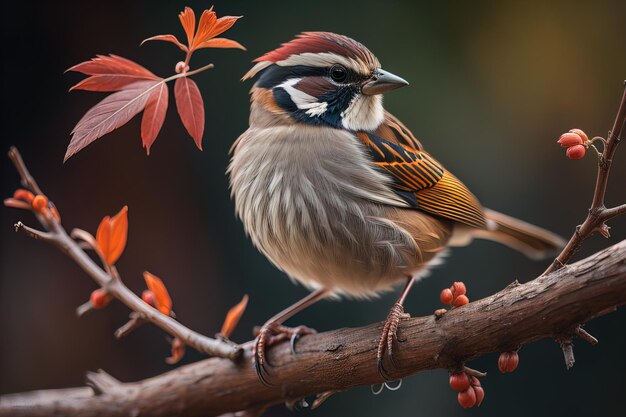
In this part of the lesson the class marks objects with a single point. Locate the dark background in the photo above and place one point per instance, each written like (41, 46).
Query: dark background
(493, 84)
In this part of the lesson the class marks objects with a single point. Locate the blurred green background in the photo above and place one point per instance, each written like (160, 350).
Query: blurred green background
(493, 84)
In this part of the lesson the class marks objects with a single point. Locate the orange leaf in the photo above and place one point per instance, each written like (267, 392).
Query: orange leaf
(112, 234)
(111, 113)
(207, 21)
(188, 20)
(110, 73)
(222, 25)
(220, 43)
(167, 38)
(190, 108)
(162, 297)
(154, 116)
(233, 316)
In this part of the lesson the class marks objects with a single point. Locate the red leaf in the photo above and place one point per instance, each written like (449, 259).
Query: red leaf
(154, 116)
(233, 316)
(188, 20)
(110, 73)
(111, 113)
(167, 38)
(220, 43)
(190, 108)
(112, 234)
(162, 297)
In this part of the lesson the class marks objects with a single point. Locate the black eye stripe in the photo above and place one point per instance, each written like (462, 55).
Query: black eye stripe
(275, 74)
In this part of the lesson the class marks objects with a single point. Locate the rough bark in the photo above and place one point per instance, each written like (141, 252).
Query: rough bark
(553, 306)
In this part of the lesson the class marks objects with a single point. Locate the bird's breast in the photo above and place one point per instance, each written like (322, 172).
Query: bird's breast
(311, 201)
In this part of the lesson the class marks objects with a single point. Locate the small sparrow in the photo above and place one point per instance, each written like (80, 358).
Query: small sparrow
(339, 194)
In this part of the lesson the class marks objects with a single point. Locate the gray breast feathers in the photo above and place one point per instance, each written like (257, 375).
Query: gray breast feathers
(314, 205)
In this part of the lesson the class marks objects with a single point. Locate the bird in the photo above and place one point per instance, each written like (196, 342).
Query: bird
(340, 195)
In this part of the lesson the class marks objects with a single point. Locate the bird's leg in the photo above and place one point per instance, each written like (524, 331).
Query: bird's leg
(273, 332)
(390, 329)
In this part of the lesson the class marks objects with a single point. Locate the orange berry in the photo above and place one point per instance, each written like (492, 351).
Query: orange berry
(508, 361)
(458, 288)
(480, 395)
(467, 398)
(40, 202)
(461, 300)
(459, 381)
(99, 298)
(570, 139)
(23, 195)
(580, 133)
(446, 296)
(55, 214)
(576, 152)
(148, 297)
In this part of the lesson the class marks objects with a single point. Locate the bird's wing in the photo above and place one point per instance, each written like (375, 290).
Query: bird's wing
(417, 177)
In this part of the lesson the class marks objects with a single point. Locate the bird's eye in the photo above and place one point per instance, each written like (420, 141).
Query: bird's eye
(338, 73)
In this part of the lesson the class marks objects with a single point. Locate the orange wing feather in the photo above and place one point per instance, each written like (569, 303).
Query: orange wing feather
(418, 177)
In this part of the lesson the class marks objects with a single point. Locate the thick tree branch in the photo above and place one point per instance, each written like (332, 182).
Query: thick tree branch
(109, 279)
(551, 306)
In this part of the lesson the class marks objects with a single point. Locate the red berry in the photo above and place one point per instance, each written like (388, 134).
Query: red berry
(474, 381)
(508, 361)
(467, 398)
(576, 152)
(570, 139)
(446, 296)
(461, 300)
(580, 133)
(459, 381)
(458, 288)
(99, 298)
(40, 202)
(480, 395)
(148, 297)
(23, 195)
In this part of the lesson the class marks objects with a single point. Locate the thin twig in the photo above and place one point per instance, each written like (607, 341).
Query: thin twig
(598, 213)
(109, 278)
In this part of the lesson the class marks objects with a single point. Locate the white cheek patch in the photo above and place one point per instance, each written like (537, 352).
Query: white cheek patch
(363, 113)
(303, 100)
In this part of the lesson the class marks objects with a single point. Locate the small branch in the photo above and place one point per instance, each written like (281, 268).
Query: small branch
(568, 352)
(34, 233)
(108, 278)
(136, 321)
(610, 213)
(598, 213)
(474, 372)
(581, 333)
(27, 180)
(344, 358)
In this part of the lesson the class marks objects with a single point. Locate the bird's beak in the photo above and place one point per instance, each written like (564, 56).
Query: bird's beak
(381, 82)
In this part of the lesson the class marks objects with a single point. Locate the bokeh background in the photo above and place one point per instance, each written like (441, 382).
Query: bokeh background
(493, 84)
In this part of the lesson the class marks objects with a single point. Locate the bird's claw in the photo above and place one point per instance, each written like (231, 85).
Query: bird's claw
(389, 335)
(269, 335)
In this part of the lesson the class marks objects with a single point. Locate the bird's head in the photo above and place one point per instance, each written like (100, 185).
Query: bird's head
(322, 78)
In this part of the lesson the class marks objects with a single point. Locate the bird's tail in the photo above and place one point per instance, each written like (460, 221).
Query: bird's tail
(532, 241)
